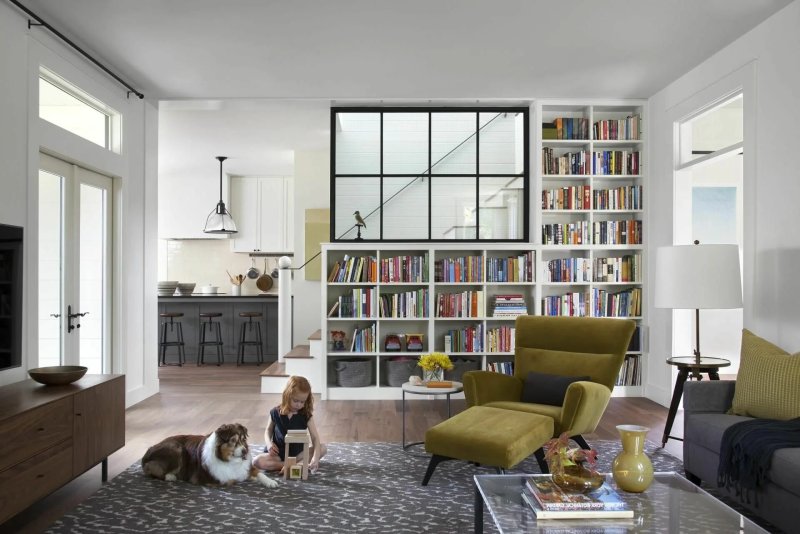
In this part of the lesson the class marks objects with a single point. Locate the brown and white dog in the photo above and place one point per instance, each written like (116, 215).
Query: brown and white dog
(221, 457)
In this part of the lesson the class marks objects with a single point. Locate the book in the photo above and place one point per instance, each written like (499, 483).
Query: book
(548, 501)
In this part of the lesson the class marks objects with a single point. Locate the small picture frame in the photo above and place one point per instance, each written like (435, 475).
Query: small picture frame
(414, 342)
(392, 343)
(337, 340)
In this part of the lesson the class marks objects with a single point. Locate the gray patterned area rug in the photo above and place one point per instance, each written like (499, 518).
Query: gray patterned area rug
(360, 487)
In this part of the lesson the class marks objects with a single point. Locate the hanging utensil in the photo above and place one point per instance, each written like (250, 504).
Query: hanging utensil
(252, 272)
(274, 273)
(264, 282)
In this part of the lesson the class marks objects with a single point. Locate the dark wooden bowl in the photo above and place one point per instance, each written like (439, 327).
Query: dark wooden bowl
(57, 375)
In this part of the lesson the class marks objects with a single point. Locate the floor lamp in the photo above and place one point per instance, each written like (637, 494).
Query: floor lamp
(698, 277)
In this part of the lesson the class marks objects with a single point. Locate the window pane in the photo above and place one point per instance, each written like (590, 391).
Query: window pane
(405, 208)
(50, 290)
(501, 143)
(357, 194)
(405, 143)
(453, 208)
(68, 112)
(502, 208)
(358, 143)
(721, 127)
(93, 254)
(453, 143)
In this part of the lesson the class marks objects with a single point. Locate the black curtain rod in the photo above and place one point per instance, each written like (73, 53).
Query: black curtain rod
(40, 22)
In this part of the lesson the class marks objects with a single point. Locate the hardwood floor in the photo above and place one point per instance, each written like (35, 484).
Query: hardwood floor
(195, 400)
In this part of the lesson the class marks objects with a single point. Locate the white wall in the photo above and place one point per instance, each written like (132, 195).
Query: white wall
(22, 51)
(311, 179)
(764, 63)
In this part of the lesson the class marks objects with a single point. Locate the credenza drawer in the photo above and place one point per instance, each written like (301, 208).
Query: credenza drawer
(34, 478)
(29, 433)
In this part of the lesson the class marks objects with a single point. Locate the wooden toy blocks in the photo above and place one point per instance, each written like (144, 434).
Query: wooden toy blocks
(297, 467)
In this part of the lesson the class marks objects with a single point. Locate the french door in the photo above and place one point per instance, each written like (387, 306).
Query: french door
(75, 229)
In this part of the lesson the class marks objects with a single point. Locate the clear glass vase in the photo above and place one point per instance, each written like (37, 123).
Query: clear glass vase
(436, 375)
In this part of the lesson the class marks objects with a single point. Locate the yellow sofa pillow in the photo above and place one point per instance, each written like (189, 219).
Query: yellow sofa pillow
(768, 383)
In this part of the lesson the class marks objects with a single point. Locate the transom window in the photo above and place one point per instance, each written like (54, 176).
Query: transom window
(425, 174)
(68, 107)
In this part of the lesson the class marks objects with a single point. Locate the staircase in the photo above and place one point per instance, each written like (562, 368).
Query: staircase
(301, 360)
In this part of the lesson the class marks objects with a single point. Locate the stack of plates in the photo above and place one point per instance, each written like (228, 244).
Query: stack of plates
(186, 288)
(166, 289)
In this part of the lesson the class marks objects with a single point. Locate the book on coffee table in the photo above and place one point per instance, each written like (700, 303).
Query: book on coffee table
(548, 501)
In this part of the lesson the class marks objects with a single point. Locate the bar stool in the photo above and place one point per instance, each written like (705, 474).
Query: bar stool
(173, 326)
(243, 341)
(213, 329)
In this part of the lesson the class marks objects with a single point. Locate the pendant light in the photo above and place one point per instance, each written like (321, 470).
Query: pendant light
(220, 220)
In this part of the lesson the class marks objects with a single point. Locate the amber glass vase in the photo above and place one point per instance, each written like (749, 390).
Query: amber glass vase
(632, 469)
(577, 478)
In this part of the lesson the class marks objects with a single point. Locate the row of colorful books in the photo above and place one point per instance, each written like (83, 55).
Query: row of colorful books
(463, 269)
(630, 372)
(409, 304)
(511, 269)
(501, 339)
(578, 128)
(627, 303)
(464, 304)
(627, 232)
(506, 368)
(354, 269)
(627, 197)
(404, 269)
(575, 304)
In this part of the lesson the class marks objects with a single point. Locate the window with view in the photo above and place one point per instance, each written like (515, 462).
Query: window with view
(425, 174)
(68, 107)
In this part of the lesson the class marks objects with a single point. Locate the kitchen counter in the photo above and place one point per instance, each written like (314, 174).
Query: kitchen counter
(230, 323)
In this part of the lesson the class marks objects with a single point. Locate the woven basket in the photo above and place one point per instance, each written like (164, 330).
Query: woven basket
(461, 366)
(398, 371)
(355, 373)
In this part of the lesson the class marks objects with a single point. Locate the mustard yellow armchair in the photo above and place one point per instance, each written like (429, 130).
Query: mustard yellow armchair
(590, 348)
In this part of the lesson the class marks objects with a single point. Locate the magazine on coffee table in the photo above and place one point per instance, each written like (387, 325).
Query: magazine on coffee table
(551, 502)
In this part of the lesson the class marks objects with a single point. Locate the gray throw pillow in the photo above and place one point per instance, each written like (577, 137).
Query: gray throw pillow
(542, 388)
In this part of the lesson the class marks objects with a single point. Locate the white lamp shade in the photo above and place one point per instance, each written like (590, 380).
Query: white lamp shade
(698, 277)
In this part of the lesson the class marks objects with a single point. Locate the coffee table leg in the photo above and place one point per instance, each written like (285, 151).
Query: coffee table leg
(478, 511)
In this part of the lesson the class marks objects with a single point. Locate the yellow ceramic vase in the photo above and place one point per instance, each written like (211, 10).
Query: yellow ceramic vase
(632, 469)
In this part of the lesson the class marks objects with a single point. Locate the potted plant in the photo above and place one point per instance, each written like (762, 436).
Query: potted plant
(434, 365)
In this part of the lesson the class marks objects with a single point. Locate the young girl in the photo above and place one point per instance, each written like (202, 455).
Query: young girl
(294, 413)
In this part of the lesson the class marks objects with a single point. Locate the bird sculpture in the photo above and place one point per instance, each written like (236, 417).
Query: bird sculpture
(359, 220)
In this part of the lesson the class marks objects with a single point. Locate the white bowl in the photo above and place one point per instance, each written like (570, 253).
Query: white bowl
(209, 290)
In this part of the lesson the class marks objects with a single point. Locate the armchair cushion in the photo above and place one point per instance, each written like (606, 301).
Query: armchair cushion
(603, 367)
(543, 388)
(768, 383)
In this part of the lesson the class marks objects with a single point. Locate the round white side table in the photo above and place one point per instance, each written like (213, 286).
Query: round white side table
(457, 387)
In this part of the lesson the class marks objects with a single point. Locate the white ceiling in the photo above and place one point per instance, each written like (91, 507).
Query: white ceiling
(247, 56)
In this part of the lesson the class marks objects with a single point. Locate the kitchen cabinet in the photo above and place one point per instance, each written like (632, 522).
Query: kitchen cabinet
(58, 432)
(262, 207)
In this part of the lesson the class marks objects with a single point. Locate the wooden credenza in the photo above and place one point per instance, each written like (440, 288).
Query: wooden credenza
(50, 435)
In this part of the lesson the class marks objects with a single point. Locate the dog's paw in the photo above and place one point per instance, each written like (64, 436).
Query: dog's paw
(170, 477)
(265, 481)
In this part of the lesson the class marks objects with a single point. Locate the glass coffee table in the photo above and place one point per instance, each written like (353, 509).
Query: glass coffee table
(670, 504)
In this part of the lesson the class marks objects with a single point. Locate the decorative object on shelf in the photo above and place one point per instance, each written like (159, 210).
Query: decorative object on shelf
(414, 342)
(434, 365)
(359, 223)
(392, 343)
(415, 380)
(698, 277)
(220, 220)
(572, 468)
(632, 469)
(337, 340)
(57, 375)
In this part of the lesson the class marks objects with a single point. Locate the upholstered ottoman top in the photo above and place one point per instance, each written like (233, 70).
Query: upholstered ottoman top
(489, 436)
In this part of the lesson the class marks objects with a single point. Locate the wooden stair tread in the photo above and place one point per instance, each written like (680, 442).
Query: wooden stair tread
(276, 369)
(316, 335)
(300, 351)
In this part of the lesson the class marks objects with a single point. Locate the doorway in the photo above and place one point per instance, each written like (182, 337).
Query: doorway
(75, 231)
(709, 203)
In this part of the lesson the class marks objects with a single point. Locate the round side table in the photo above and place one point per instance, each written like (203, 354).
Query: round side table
(685, 365)
(457, 387)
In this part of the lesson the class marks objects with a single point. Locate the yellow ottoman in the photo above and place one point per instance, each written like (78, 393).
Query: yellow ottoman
(488, 436)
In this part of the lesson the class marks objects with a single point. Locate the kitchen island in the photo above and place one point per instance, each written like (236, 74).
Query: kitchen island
(229, 306)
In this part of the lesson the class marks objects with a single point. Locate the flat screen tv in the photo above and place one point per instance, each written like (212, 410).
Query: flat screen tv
(10, 296)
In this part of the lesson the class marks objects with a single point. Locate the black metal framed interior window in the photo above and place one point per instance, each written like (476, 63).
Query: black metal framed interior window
(430, 174)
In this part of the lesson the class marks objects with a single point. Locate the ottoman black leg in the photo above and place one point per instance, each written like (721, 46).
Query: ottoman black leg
(691, 477)
(539, 453)
(435, 460)
(581, 442)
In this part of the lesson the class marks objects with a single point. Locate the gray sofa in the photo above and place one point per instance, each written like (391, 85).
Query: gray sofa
(705, 420)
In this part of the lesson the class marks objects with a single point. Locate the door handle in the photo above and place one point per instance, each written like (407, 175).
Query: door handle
(71, 316)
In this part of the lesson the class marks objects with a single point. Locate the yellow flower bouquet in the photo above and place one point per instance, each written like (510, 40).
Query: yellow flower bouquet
(434, 364)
